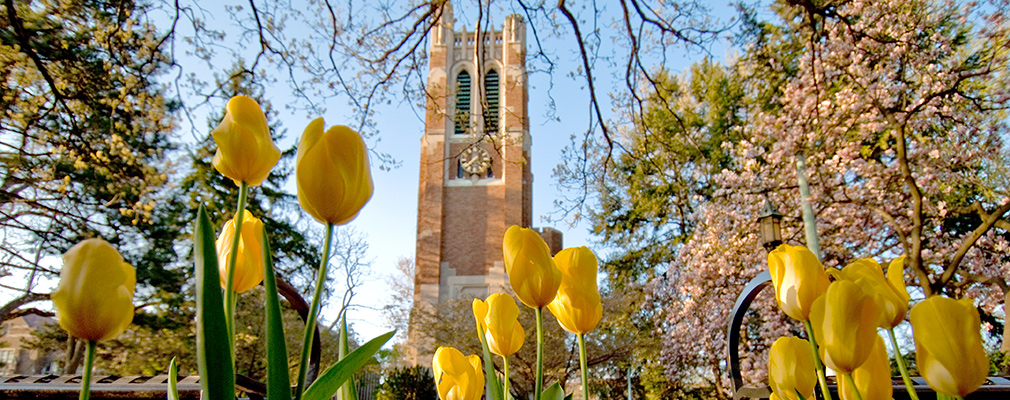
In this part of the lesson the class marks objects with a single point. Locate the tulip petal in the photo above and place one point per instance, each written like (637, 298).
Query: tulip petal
(577, 307)
(896, 275)
(501, 320)
(479, 313)
(948, 344)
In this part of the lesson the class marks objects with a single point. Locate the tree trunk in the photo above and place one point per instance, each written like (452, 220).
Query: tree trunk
(1005, 347)
(75, 354)
(720, 394)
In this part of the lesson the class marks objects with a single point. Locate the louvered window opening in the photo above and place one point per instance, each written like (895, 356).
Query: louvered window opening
(462, 117)
(491, 90)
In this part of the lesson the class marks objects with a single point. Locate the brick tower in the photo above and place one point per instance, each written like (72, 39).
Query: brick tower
(475, 178)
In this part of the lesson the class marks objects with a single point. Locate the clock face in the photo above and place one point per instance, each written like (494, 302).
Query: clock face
(475, 160)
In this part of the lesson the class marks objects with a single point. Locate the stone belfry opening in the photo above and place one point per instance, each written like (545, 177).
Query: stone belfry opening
(475, 178)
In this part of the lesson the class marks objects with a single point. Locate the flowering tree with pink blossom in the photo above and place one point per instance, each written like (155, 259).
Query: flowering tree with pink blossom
(899, 110)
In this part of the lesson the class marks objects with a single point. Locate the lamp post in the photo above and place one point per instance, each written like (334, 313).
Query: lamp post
(770, 222)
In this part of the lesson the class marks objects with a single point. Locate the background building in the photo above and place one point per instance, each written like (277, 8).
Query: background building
(15, 357)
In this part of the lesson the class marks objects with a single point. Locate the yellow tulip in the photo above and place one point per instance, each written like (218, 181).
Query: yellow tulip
(249, 263)
(479, 312)
(873, 378)
(94, 299)
(948, 345)
(868, 275)
(577, 306)
(245, 151)
(791, 368)
(799, 279)
(845, 324)
(334, 180)
(504, 333)
(531, 270)
(457, 377)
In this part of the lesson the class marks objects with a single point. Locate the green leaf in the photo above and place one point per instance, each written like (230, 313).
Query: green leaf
(330, 381)
(348, 391)
(278, 381)
(555, 392)
(494, 388)
(217, 376)
(173, 379)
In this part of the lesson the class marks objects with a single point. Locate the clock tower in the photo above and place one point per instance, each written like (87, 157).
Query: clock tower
(475, 178)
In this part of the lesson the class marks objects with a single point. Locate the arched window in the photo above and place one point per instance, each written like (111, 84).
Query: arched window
(462, 116)
(491, 91)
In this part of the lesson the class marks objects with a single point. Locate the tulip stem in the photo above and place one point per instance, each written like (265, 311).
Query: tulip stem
(229, 293)
(852, 382)
(505, 368)
(900, 360)
(538, 387)
(310, 322)
(582, 366)
(89, 362)
(822, 381)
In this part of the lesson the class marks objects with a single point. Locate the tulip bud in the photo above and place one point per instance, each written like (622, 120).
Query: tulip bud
(577, 307)
(948, 345)
(873, 378)
(845, 324)
(245, 151)
(249, 263)
(94, 299)
(791, 368)
(870, 277)
(334, 180)
(799, 279)
(531, 270)
(504, 333)
(457, 377)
